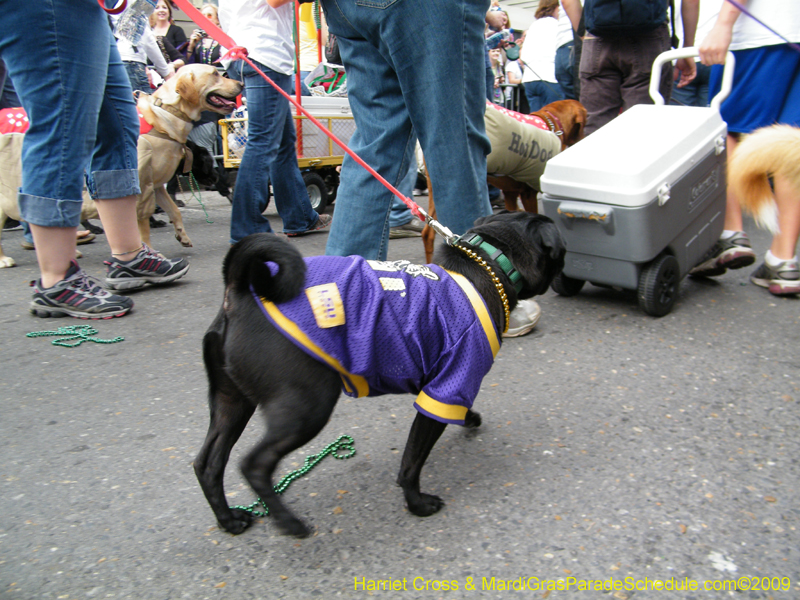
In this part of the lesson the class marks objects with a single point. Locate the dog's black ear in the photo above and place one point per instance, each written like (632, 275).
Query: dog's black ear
(551, 239)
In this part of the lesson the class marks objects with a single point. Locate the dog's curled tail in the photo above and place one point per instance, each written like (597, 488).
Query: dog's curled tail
(246, 264)
(767, 152)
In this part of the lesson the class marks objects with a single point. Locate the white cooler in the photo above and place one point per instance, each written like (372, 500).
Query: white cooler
(641, 201)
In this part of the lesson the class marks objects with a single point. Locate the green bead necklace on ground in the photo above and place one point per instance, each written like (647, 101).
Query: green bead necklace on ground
(343, 447)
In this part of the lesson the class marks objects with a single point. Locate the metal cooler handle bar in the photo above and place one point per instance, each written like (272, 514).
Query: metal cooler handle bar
(690, 52)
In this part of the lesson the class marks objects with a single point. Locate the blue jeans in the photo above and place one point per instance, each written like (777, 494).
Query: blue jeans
(76, 92)
(694, 94)
(539, 93)
(565, 70)
(137, 73)
(400, 213)
(270, 156)
(304, 91)
(396, 77)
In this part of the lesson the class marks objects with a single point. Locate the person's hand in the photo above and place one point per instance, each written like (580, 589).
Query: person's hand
(195, 38)
(715, 47)
(688, 71)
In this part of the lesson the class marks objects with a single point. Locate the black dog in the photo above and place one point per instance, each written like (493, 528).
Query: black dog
(298, 392)
(204, 169)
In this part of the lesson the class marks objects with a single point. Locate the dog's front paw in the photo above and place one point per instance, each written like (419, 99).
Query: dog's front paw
(472, 420)
(183, 238)
(240, 520)
(425, 505)
(6, 261)
(294, 527)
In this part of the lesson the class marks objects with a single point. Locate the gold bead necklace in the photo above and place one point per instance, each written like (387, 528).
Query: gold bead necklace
(500, 289)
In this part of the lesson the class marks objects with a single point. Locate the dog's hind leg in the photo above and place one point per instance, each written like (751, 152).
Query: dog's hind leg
(290, 425)
(423, 436)
(230, 412)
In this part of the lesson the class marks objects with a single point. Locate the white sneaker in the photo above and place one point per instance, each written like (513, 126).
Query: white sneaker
(523, 318)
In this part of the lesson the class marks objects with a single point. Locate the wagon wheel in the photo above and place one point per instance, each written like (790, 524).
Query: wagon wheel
(332, 183)
(566, 286)
(317, 191)
(658, 286)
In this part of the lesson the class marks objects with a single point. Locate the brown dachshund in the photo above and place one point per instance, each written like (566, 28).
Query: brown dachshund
(564, 118)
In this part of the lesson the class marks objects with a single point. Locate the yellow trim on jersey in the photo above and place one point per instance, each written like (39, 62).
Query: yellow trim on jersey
(351, 382)
(451, 412)
(480, 309)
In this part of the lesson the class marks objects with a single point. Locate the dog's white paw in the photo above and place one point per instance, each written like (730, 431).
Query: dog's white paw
(7, 261)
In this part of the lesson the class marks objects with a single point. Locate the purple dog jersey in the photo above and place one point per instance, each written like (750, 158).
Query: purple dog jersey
(392, 328)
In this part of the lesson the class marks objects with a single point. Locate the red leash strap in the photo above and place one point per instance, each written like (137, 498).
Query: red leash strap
(116, 10)
(239, 53)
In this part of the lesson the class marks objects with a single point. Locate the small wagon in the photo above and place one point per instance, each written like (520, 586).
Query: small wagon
(317, 155)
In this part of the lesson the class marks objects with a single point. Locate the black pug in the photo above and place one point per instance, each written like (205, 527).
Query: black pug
(455, 308)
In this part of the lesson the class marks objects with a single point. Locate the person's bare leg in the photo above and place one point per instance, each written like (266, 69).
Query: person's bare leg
(122, 230)
(55, 250)
(784, 243)
(733, 210)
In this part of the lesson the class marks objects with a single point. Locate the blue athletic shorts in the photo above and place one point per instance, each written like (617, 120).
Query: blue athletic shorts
(766, 88)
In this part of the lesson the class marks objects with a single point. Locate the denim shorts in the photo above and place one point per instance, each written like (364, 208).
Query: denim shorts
(75, 89)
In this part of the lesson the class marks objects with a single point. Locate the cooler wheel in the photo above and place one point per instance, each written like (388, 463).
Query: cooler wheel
(566, 286)
(658, 286)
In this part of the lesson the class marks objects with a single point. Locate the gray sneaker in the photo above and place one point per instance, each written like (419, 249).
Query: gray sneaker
(411, 229)
(783, 280)
(147, 267)
(77, 295)
(732, 253)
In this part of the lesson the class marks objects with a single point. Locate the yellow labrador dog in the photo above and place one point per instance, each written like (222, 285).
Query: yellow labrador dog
(170, 111)
(11, 179)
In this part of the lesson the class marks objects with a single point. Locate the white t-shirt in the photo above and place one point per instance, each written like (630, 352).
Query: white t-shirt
(264, 31)
(709, 10)
(781, 15)
(564, 35)
(539, 51)
(512, 66)
(146, 48)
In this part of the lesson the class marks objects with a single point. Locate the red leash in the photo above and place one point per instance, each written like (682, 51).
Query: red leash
(238, 53)
(116, 10)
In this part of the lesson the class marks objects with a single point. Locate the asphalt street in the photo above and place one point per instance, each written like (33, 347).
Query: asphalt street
(621, 455)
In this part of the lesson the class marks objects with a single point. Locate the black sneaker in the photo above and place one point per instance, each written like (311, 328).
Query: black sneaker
(732, 253)
(148, 267)
(77, 295)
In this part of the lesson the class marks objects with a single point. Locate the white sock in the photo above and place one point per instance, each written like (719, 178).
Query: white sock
(727, 234)
(774, 261)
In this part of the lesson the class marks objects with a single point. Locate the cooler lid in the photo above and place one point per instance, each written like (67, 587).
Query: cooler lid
(625, 162)
(323, 106)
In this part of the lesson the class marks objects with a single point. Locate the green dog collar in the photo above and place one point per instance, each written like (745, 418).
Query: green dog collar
(475, 240)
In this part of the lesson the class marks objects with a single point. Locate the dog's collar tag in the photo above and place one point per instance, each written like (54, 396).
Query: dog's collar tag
(473, 239)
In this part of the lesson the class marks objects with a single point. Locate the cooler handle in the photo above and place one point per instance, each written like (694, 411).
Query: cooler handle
(690, 52)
